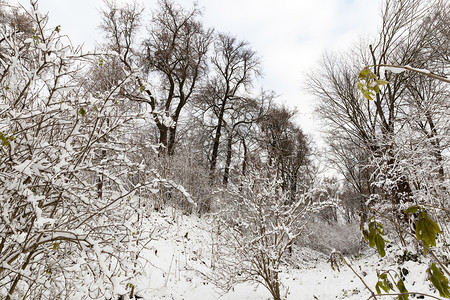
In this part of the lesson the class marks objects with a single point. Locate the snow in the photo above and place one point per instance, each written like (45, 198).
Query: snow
(425, 71)
(180, 256)
(395, 70)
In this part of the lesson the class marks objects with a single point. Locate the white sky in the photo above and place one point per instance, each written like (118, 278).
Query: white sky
(289, 35)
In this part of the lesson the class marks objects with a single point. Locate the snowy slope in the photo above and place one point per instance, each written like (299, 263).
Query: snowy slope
(179, 268)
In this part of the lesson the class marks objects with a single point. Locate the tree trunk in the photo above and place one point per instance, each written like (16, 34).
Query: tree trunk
(244, 161)
(228, 160)
(173, 129)
(100, 177)
(293, 188)
(275, 290)
(436, 144)
(216, 141)
(171, 139)
(163, 131)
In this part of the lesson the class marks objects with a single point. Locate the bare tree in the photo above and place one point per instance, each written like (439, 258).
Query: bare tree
(287, 149)
(58, 238)
(255, 228)
(174, 56)
(176, 51)
(406, 38)
(234, 67)
(121, 25)
(401, 128)
(239, 124)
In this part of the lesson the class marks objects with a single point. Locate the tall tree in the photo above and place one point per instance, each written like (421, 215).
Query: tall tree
(239, 123)
(287, 149)
(176, 51)
(234, 67)
(407, 110)
(174, 55)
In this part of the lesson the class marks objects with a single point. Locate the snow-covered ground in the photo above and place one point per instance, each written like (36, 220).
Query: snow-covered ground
(179, 268)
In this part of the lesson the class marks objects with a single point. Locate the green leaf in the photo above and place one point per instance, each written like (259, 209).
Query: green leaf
(427, 230)
(370, 85)
(366, 235)
(383, 283)
(372, 234)
(363, 74)
(377, 287)
(5, 139)
(367, 95)
(381, 82)
(379, 241)
(82, 112)
(375, 237)
(412, 209)
(439, 281)
(402, 289)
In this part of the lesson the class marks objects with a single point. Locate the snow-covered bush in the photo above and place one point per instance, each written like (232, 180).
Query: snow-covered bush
(61, 236)
(324, 237)
(396, 112)
(255, 226)
(186, 169)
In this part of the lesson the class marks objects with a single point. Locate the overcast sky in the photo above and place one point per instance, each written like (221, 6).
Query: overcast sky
(289, 35)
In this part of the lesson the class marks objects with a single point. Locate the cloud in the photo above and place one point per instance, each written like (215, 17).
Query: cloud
(289, 35)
